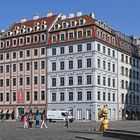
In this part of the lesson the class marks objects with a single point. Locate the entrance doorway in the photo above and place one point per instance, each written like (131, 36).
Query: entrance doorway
(88, 114)
(20, 112)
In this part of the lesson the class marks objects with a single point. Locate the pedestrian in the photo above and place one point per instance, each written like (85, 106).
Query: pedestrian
(66, 122)
(37, 118)
(25, 121)
(43, 121)
(30, 120)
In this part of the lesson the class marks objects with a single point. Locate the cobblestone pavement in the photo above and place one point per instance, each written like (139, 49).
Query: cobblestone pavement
(57, 131)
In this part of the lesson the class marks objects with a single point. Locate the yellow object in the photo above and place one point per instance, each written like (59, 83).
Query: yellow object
(103, 115)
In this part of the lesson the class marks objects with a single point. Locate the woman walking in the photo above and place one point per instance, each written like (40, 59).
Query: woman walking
(43, 121)
(25, 121)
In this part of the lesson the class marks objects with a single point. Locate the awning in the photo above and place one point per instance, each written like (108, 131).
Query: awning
(4, 111)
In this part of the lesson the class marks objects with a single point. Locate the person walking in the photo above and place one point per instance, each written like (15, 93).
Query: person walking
(66, 122)
(43, 122)
(30, 120)
(37, 118)
(25, 121)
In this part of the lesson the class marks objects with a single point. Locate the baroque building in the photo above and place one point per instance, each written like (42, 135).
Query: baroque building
(76, 63)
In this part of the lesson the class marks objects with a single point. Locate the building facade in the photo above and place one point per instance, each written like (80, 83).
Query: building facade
(76, 63)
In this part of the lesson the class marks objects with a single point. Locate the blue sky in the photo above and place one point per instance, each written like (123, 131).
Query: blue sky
(122, 15)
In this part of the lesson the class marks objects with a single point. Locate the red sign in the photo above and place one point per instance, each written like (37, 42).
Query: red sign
(20, 96)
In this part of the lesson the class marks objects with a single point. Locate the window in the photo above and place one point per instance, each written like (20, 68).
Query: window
(54, 66)
(79, 80)
(1, 56)
(122, 98)
(98, 62)
(53, 97)
(71, 35)
(73, 23)
(126, 59)
(113, 53)
(81, 22)
(14, 67)
(1, 82)
(14, 96)
(21, 41)
(7, 96)
(70, 96)
(88, 79)
(14, 81)
(104, 65)
(113, 82)
(27, 53)
(109, 84)
(42, 64)
(108, 51)
(42, 79)
(27, 80)
(98, 95)
(71, 64)
(104, 50)
(7, 56)
(79, 96)
(62, 96)
(88, 46)
(53, 51)
(109, 66)
(1, 97)
(62, 51)
(104, 81)
(7, 43)
(98, 80)
(70, 49)
(62, 66)
(20, 81)
(7, 82)
(88, 62)
(43, 37)
(35, 52)
(79, 34)
(42, 51)
(122, 57)
(42, 95)
(113, 97)
(70, 81)
(62, 81)
(53, 82)
(62, 37)
(88, 33)
(28, 66)
(35, 80)
(28, 40)
(122, 84)
(1, 69)
(20, 54)
(109, 98)
(98, 47)
(122, 70)
(35, 95)
(7, 68)
(104, 96)
(54, 39)
(35, 38)
(35, 65)
(80, 63)
(88, 95)
(113, 67)
(126, 70)
(79, 48)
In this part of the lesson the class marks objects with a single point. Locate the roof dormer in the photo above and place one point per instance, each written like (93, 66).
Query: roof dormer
(82, 21)
(64, 24)
(56, 26)
(73, 23)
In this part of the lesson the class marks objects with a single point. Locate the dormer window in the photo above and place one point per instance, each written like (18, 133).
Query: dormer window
(22, 31)
(43, 26)
(64, 25)
(36, 28)
(56, 26)
(28, 29)
(43, 22)
(73, 23)
(36, 23)
(16, 28)
(81, 21)
(23, 26)
(9, 33)
(14, 32)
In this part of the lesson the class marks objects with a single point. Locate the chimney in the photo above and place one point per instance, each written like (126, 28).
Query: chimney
(36, 17)
(23, 19)
(49, 14)
(71, 15)
(92, 15)
(79, 14)
(63, 17)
